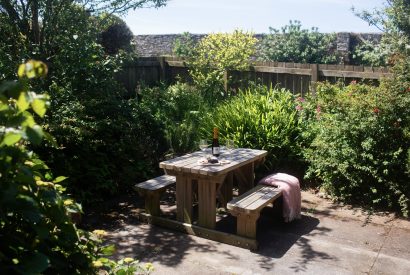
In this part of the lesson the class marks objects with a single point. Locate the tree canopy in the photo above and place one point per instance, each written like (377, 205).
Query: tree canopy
(39, 20)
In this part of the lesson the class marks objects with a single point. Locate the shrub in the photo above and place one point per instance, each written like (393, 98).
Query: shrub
(216, 54)
(105, 141)
(360, 143)
(294, 44)
(260, 118)
(36, 232)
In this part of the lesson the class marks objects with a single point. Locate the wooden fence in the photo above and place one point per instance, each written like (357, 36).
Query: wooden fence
(296, 77)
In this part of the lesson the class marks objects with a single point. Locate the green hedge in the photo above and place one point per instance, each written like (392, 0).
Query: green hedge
(359, 143)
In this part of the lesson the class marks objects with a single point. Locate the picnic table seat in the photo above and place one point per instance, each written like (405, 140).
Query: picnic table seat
(152, 190)
(247, 208)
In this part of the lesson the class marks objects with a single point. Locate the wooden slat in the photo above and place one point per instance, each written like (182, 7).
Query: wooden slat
(255, 199)
(210, 234)
(353, 74)
(176, 63)
(190, 163)
(282, 70)
(143, 63)
(156, 183)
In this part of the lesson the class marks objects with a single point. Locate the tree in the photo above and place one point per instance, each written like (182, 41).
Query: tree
(105, 140)
(394, 21)
(116, 36)
(37, 19)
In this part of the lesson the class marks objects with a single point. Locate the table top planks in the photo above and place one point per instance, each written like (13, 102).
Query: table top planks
(190, 163)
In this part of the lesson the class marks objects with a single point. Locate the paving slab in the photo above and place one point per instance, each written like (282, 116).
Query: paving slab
(329, 239)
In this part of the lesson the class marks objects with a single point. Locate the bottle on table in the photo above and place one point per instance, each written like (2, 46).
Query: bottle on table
(215, 144)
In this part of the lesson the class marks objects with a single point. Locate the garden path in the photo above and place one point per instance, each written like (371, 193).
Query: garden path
(329, 239)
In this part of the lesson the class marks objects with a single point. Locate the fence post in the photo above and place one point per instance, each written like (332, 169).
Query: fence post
(314, 77)
(163, 69)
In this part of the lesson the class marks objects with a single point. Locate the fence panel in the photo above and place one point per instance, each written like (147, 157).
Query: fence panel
(296, 77)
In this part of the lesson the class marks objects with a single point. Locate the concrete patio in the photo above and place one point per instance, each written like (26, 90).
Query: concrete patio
(329, 239)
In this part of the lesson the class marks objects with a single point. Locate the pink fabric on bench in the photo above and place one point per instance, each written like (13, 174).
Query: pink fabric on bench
(289, 185)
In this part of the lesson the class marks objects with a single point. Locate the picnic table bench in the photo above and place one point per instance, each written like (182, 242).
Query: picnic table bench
(247, 208)
(152, 190)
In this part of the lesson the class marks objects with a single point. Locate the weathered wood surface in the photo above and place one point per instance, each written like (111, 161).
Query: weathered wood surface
(202, 232)
(209, 179)
(254, 199)
(157, 183)
(190, 163)
(247, 208)
(184, 199)
(152, 189)
(297, 77)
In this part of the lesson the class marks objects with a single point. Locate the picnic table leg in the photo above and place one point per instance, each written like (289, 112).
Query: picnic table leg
(152, 203)
(207, 203)
(184, 199)
(246, 224)
(225, 190)
(245, 177)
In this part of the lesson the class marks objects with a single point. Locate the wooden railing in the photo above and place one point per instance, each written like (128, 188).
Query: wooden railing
(298, 78)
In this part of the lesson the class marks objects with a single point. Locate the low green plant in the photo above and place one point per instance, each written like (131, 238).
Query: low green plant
(260, 118)
(125, 266)
(359, 145)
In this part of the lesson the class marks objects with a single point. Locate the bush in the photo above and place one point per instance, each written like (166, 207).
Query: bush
(216, 54)
(36, 232)
(106, 142)
(360, 142)
(294, 44)
(260, 118)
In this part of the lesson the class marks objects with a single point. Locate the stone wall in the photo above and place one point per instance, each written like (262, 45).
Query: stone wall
(156, 45)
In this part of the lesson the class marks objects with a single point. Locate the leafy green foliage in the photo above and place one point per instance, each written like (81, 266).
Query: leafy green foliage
(106, 142)
(393, 20)
(36, 232)
(294, 44)
(216, 54)
(360, 143)
(262, 119)
(184, 46)
(179, 108)
(372, 54)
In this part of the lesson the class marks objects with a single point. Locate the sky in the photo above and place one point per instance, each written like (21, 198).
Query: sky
(209, 16)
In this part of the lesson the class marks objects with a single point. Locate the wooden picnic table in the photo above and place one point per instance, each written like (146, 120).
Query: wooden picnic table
(211, 179)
